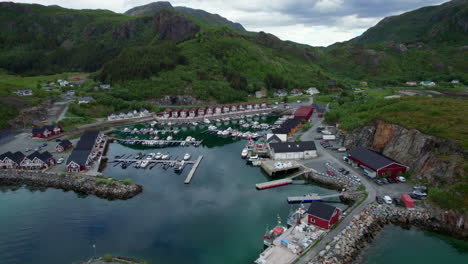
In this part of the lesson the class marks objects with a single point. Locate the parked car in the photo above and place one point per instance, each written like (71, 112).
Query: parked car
(387, 199)
(342, 149)
(415, 196)
(384, 180)
(44, 145)
(401, 179)
(377, 181)
(391, 180)
(318, 138)
(36, 149)
(420, 188)
(60, 161)
(341, 169)
(422, 194)
(346, 172)
(379, 200)
(397, 201)
(28, 149)
(330, 172)
(319, 129)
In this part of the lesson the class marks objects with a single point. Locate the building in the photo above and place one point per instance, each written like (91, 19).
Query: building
(263, 105)
(455, 82)
(334, 88)
(46, 131)
(249, 107)
(296, 92)
(289, 127)
(183, 113)
(85, 100)
(280, 93)
(321, 108)
(322, 215)
(241, 107)
(88, 149)
(411, 83)
(226, 109)
(293, 150)
(167, 113)
(63, 145)
(233, 108)
(256, 105)
(201, 111)
(260, 94)
(37, 161)
(313, 91)
(304, 112)
(218, 110)
(113, 116)
(427, 83)
(210, 110)
(9, 160)
(175, 113)
(375, 164)
(193, 113)
(363, 84)
(277, 138)
(26, 92)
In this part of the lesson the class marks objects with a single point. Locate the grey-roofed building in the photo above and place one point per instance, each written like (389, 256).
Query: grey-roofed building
(293, 150)
(322, 214)
(88, 148)
(375, 164)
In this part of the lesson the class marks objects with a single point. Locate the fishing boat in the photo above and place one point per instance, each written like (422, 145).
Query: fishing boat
(244, 153)
(272, 234)
(158, 156)
(165, 156)
(296, 216)
(187, 156)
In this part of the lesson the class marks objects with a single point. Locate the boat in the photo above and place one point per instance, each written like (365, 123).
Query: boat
(165, 156)
(187, 156)
(137, 164)
(158, 156)
(225, 132)
(272, 234)
(170, 138)
(244, 153)
(206, 121)
(179, 166)
(195, 123)
(150, 156)
(251, 159)
(188, 139)
(295, 217)
(124, 165)
(144, 163)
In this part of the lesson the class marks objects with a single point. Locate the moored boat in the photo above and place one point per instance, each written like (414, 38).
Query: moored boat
(244, 153)
(187, 156)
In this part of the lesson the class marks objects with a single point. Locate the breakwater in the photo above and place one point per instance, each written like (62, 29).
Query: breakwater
(111, 189)
(349, 243)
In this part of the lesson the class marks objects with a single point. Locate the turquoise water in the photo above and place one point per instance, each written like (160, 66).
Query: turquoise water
(397, 245)
(219, 218)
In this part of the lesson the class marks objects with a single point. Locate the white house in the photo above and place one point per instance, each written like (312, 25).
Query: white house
(455, 81)
(218, 110)
(293, 150)
(313, 91)
(26, 92)
(427, 83)
(276, 138)
(85, 100)
(260, 94)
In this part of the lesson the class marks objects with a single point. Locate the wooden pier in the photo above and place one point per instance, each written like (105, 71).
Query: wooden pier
(158, 142)
(150, 161)
(273, 184)
(308, 198)
(194, 168)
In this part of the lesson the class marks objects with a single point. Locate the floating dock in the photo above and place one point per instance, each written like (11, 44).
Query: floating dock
(158, 142)
(194, 168)
(151, 161)
(273, 184)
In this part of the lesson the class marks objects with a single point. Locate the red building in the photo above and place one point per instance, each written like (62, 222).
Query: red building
(201, 111)
(46, 131)
(322, 215)
(167, 113)
(304, 112)
(63, 145)
(379, 164)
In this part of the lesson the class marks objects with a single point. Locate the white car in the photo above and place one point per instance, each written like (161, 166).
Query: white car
(387, 199)
(60, 161)
(401, 179)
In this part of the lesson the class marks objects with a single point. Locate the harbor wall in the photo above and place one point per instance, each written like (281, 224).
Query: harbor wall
(347, 246)
(70, 182)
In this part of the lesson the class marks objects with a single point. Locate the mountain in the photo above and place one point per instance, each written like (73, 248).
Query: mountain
(201, 16)
(444, 23)
(429, 43)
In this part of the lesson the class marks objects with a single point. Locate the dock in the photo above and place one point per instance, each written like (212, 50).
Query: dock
(273, 184)
(308, 198)
(194, 168)
(150, 161)
(269, 167)
(158, 142)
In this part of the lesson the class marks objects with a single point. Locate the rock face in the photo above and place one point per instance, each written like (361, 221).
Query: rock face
(78, 183)
(171, 26)
(180, 100)
(437, 160)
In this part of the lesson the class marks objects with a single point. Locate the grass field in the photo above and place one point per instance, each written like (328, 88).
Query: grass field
(10, 83)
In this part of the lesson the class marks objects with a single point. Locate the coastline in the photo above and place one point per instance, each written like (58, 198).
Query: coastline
(74, 182)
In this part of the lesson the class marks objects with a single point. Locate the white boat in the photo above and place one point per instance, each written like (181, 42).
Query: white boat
(206, 121)
(188, 139)
(187, 156)
(220, 133)
(244, 153)
(170, 138)
(144, 163)
(153, 123)
(150, 156)
(158, 155)
(225, 132)
(165, 156)
(195, 123)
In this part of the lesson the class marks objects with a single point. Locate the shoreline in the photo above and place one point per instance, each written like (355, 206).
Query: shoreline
(82, 184)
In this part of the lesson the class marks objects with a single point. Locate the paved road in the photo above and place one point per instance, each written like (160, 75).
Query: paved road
(325, 155)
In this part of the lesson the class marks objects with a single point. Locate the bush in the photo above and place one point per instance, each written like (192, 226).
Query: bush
(104, 181)
(127, 181)
(108, 258)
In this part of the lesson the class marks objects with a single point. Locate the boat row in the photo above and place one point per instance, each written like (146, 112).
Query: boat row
(146, 131)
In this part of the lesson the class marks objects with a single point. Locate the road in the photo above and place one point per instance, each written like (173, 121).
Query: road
(325, 155)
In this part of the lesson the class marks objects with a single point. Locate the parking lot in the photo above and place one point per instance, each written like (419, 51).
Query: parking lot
(25, 143)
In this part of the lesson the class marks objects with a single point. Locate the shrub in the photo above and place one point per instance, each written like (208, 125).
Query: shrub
(127, 181)
(107, 258)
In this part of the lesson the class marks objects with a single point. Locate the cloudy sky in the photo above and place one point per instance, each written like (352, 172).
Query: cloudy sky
(313, 22)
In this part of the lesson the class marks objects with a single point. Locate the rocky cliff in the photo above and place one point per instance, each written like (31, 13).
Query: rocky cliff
(431, 159)
(171, 26)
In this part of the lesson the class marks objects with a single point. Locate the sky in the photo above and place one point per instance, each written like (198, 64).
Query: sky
(313, 22)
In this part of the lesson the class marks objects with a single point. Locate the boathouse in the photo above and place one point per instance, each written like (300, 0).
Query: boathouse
(375, 164)
(322, 215)
(201, 111)
(293, 150)
(63, 145)
(249, 106)
(175, 113)
(241, 107)
(256, 105)
(46, 131)
(37, 161)
(263, 105)
(89, 148)
(218, 110)
(304, 112)
(183, 113)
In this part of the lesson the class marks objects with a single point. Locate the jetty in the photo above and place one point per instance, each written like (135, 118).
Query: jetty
(159, 142)
(194, 168)
(151, 161)
(273, 184)
(308, 198)
(271, 168)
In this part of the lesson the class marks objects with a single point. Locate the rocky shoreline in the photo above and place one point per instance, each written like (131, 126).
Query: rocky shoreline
(348, 245)
(71, 182)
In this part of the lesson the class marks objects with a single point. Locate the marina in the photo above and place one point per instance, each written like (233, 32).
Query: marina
(192, 171)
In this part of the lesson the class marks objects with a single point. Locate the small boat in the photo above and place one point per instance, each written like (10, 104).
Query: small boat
(144, 164)
(244, 153)
(138, 164)
(195, 123)
(158, 156)
(252, 159)
(165, 156)
(206, 121)
(187, 156)
(150, 156)
(124, 165)
(169, 138)
(179, 166)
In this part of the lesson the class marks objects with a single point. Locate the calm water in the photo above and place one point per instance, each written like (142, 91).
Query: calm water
(219, 218)
(397, 245)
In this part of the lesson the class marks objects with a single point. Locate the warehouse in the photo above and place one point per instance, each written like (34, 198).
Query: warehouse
(289, 127)
(322, 215)
(375, 164)
(293, 150)
(304, 112)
